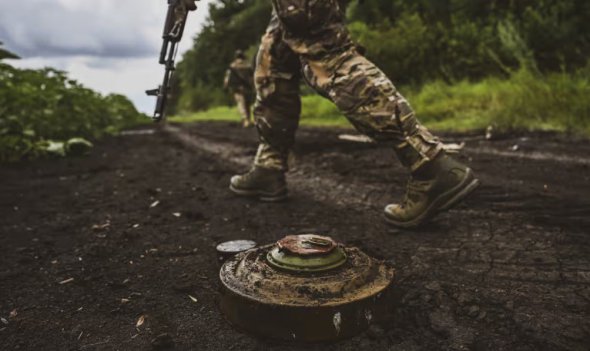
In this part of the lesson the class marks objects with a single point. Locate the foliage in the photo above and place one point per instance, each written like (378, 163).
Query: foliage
(414, 42)
(464, 64)
(467, 39)
(231, 25)
(218, 113)
(557, 101)
(40, 106)
(316, 111)
(5, 54)
(524, 101)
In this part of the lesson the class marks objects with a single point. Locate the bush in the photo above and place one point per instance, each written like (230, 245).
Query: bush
(525, 101)
(41, 105)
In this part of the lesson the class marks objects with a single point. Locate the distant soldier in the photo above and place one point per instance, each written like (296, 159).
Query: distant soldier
(309, 38)
(239, 80)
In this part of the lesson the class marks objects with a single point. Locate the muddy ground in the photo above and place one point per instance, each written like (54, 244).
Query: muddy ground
(84, 257)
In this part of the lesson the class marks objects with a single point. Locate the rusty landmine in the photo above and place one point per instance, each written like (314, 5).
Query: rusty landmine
(258, 297)
(307, 244)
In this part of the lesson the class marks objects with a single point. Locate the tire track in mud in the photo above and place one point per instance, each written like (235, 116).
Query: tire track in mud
(301, 183)
(505, 195)
(302, 178)
(493, 151)
(511, 246)
(509, 270)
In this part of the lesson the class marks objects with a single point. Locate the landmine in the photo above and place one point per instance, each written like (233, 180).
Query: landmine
(305, 288)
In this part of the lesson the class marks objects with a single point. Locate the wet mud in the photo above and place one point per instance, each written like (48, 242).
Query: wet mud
(116, 250)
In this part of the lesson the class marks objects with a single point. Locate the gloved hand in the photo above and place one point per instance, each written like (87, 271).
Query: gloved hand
(183, 7)
(190, 4)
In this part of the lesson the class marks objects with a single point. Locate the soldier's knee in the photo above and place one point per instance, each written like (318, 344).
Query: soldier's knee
(280, 94)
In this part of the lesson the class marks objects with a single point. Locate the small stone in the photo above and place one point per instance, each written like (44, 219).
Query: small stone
(163, 342)
(463, 299)
(426, 298)
(434, 286)
(473, 311)
(489, 132)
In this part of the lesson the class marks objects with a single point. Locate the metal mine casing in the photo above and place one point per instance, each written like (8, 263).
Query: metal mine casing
(260, 297)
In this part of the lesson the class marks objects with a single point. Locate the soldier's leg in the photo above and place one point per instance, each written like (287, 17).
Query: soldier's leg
(278, 104)
(315, 30)
(375, 107)
(370, 101)
(276, 112)
(248, 107)
(240, 99)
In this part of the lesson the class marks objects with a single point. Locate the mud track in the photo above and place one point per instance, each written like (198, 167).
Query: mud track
(90, 246)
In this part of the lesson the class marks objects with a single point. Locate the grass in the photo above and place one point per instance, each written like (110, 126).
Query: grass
(317, 111)
(524, 101)
(220, 113)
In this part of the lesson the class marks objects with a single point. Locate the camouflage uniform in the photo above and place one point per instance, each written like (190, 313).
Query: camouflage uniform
(310, 36)
(238, 79)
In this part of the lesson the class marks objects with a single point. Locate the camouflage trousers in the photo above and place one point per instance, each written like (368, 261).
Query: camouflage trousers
(308, 39)
(243, 104)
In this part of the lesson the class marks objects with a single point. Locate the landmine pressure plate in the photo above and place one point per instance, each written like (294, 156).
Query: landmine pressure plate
(305, 288)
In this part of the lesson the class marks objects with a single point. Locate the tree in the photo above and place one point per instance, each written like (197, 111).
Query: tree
(414, 42)
(5, 54)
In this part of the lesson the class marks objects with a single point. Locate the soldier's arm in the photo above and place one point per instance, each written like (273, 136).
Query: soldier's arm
(226, 79)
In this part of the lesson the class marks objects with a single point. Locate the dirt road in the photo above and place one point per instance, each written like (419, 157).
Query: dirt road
(115, 251)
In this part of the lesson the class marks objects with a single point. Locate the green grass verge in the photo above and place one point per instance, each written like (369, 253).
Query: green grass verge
(524, 101)
(220, 113)
(316, 111)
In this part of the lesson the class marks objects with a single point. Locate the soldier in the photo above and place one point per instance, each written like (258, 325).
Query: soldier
(238, 79)
(309, 38)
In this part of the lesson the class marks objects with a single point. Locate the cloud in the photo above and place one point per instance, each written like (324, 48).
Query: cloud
(111, 46)
(104, 28)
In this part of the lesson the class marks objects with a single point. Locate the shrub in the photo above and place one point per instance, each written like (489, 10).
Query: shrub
(525, 101)
(41, 105)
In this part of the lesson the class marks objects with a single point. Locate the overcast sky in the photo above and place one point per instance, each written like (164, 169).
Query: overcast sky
(108, 45)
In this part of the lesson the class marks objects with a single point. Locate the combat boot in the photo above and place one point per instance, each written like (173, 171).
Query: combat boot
(442, 185)
(266, 184)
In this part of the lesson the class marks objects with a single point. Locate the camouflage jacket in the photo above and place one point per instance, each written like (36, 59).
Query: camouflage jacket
(239, 76)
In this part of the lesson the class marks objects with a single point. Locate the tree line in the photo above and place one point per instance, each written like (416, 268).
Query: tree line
(414, 42)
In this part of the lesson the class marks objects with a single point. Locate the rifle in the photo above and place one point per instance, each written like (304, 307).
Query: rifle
(173, 31)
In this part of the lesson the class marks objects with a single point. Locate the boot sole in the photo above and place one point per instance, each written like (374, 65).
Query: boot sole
(443, 203)
(264, 197)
